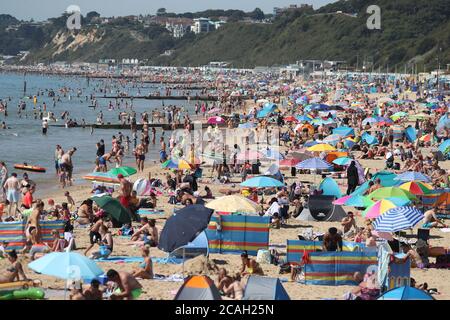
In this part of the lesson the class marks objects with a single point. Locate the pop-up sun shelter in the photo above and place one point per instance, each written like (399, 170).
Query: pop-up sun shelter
(198, 288)
(264, 288)
(198, 246)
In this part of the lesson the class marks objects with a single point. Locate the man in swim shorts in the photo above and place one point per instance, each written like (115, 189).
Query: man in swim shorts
(12, 188)
(128, 288)
(430, 220)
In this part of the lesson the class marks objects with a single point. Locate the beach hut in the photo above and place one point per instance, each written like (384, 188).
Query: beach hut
(198, 288)
(264, 288)
(233, 234)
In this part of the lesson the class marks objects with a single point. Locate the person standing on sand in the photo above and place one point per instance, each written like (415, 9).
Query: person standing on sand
(125, 190)
(140, 157)
(67, 164)
(33, 227)
(12, 189)
(352, 177)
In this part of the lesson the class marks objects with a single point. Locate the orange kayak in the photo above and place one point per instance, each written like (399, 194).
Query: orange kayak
(27, 167)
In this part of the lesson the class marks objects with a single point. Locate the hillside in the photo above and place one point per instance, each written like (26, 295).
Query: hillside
(411, 31)
(408, 28)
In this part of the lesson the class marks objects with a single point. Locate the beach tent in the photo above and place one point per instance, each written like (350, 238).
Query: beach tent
(406, 293)
(264, 288)
(14, 232)
(388, 179)
(232, 234)
(198, 246)
(321, 208)
(344, 131)
(330, 187)
(198, 288)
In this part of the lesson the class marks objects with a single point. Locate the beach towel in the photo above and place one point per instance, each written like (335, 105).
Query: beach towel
(171, 278)
(167, 260)
(121, 259)
(145, 211)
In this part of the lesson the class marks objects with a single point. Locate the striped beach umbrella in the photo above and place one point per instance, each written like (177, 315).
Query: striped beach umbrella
(398, 219)
(417, 187)
(413, 176)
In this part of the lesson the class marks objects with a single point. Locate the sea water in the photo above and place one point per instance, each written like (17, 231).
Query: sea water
(24, 141)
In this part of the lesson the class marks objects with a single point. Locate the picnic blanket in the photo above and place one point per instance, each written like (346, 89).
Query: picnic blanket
(14, 232)
(148, 211)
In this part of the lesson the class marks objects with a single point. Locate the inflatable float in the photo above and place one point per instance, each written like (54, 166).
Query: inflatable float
(31, 293)
(27, 167)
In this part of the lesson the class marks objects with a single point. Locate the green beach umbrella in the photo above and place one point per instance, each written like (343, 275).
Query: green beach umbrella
(390, 192)
(113, 207)
(125, 171)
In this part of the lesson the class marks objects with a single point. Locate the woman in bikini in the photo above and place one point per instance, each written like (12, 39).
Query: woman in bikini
(250, 266)
(145, 270)
(15, 271)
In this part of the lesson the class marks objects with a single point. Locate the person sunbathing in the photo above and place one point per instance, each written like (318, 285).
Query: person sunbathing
(234, 290)
(430, 220)
(15, 271)
(58, 244)
(145, 270)
(250, 265)
(147, 233)
(223, 280)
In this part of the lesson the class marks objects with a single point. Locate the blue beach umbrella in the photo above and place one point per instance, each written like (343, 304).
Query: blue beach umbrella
(314, 164)
(246, 125)
(272, 154)
(342, 161)
(405, 293)
(358, 201)
(444, 146)
(398, 219)
(412, 176)
(66, 265)
(262, 182)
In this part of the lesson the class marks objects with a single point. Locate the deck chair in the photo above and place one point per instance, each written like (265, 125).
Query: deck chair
(423, 234)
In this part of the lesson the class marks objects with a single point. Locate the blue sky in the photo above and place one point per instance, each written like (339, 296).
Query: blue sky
(43, 9)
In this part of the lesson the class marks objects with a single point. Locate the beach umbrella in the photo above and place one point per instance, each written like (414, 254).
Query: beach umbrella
(342, 161)
(388, 192)
(169, 164)
(333, 138)
(249, 155)
(405, 293)
(426, 138)
(105, 177)
(262, 182)
(378, 208)
(299, 155)
(125, 171)
(184, 226)
(314, 164)
(290, 119)
(398, 219)
(412, 176)
(289, 162)
(417, 188)
(344, 131)
(216, 120)
(342, 200)
(66, 265)
(398, 115)
(369, 121)
(321, 147)
(234, 203)
(444, 146)
(304, 117)
(310, 143)
(113, 207)
(358, 201)
(214, 110)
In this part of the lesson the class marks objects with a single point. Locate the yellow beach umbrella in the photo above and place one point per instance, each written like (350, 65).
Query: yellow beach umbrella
(234, 203)
(321, 147)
